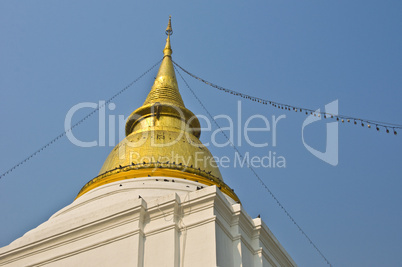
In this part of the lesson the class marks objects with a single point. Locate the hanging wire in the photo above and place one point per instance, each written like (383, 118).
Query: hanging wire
(343, 118)
(77, 123)
(253, 171)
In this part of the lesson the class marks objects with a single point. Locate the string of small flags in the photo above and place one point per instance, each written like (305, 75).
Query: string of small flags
(387, 127)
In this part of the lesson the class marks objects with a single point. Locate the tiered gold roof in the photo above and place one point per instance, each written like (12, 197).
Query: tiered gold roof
(162, 139)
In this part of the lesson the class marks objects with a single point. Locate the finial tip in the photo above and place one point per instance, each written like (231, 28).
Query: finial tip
(169, 30)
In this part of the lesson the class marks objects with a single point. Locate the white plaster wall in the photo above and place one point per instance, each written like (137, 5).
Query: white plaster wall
(199, 247)
(247, 255)
(118, 253)
(224, 246)
(160, 249)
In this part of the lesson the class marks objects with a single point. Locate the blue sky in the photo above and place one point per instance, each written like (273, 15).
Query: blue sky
(56, 54)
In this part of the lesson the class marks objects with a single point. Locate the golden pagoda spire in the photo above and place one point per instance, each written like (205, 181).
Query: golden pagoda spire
(164, 93)
(165, 88)
(167, 51)
(169, 31)
(162, 138)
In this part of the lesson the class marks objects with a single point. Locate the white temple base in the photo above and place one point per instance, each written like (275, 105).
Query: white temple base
(172, 224)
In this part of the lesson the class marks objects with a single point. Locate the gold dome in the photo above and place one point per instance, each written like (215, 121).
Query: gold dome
(162, 139)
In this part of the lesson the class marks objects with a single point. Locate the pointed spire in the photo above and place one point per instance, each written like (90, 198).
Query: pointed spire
(165, 88)
(169, 31)
(164, 95)
(167, 51)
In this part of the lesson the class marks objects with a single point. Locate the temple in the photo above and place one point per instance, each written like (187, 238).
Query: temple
(154, 202)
